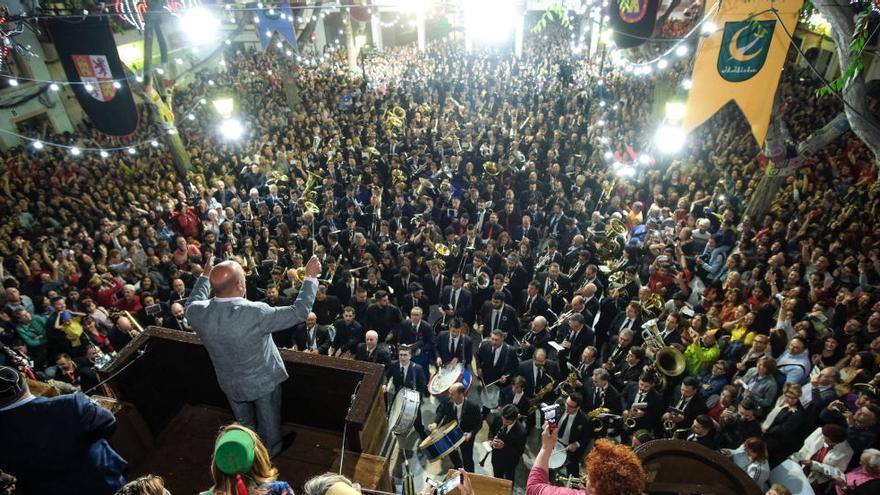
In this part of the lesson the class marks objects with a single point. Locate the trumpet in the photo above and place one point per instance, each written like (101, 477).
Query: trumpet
(577, 482)
(541, 262)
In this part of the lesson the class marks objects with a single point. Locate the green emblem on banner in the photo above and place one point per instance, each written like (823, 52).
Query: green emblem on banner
(744, 49)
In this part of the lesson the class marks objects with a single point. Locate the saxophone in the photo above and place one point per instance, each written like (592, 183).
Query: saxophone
(597, 422)
(535, 402)
(565, 388)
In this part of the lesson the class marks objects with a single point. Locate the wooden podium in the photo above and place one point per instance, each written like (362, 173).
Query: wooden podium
(677, 466)
(166, 378)
(485, 485)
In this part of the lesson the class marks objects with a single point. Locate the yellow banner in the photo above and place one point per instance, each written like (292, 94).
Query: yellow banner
(741, 60)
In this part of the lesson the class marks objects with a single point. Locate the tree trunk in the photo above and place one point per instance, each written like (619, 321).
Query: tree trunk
(179, 155)
(864, 124)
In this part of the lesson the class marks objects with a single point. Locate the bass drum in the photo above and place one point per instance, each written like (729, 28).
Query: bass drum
(404, 411)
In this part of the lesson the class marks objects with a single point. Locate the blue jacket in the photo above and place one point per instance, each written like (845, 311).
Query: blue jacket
(58, 445)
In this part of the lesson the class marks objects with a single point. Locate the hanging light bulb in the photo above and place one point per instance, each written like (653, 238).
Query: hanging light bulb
(154, 143)
(681, 50)
(13, 82)
(54, 87)
(38, 145)
(104, 154)
(687, 84)
(708, 28)
(89, 87)
(116, 84)
(131, 151)
(662, 64)
(75, 151)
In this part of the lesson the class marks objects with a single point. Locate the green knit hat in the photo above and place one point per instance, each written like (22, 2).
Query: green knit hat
(234, 452)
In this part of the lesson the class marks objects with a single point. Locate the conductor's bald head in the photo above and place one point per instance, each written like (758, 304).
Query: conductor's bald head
(227, 280)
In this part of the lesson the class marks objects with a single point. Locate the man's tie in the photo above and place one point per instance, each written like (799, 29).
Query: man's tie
(540, 378)
(682, 404)
(496, 320)
(403, 374)
(626, 323)
(563, 425)
(598, 398)
(455, 299)
(641, 397)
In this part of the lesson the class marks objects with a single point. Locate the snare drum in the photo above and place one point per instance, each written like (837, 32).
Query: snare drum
(490, 396)
(442, 441)
(557, 457)
(446, 377)
(404, 411)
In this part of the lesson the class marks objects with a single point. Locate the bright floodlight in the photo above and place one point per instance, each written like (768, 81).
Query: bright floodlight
(490, 21)
(200, 25)
(224, 106)
(669, 139)
(231, 129)
(675, 110)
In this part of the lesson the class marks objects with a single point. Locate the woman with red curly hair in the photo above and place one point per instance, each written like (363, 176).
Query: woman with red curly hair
(612, 469)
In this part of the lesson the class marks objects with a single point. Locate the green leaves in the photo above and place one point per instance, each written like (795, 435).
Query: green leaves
(554, 12)
(856, 47)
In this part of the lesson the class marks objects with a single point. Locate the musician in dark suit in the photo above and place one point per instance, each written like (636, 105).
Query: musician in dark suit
(311, 337)
(517, 396)
(467, 414)
(538, 372)
(401, 284)
(533, 304)
(600, 393)
(496, 361)
(575, 336)
(327, 307)
(643, 392)
(575, 431)
(508, 443)
(537, 338)
(554, 285)
(629, 319)
(496, 315)
(455, 300)
(689, 402)
(630, 370)
(415, 298)
(614, 354)
(403, 373)
(453, 347)
(418, 335)
(370, 351)
(433, 282)
(348, 332)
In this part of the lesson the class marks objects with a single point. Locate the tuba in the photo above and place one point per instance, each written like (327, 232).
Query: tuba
(490, 170)
(308, 193)
(668, 361)
(397, 177)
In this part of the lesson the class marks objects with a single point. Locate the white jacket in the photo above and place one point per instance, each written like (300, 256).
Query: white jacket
(837, 457)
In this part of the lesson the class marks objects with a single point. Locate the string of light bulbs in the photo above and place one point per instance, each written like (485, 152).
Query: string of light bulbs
(103, 152)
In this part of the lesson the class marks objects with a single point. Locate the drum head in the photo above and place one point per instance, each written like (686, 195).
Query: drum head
(557, 458)
(396, 409)
(444, 379)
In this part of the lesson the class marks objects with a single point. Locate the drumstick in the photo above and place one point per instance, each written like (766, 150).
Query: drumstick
(496, 381)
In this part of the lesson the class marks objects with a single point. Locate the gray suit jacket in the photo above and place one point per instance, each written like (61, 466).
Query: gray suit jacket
(237, 334)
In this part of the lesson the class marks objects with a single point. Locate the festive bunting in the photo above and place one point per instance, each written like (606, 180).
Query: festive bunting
(276, 21)
(741, 60)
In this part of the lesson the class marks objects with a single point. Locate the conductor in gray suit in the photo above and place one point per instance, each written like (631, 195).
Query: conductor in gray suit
(238, 336)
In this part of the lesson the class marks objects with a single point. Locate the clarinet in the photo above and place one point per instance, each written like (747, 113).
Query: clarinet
(489, 452)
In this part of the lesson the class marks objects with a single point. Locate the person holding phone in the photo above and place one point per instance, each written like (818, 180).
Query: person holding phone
(612, 469)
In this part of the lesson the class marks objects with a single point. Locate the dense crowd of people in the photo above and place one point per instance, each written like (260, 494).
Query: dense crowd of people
(467, 210)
